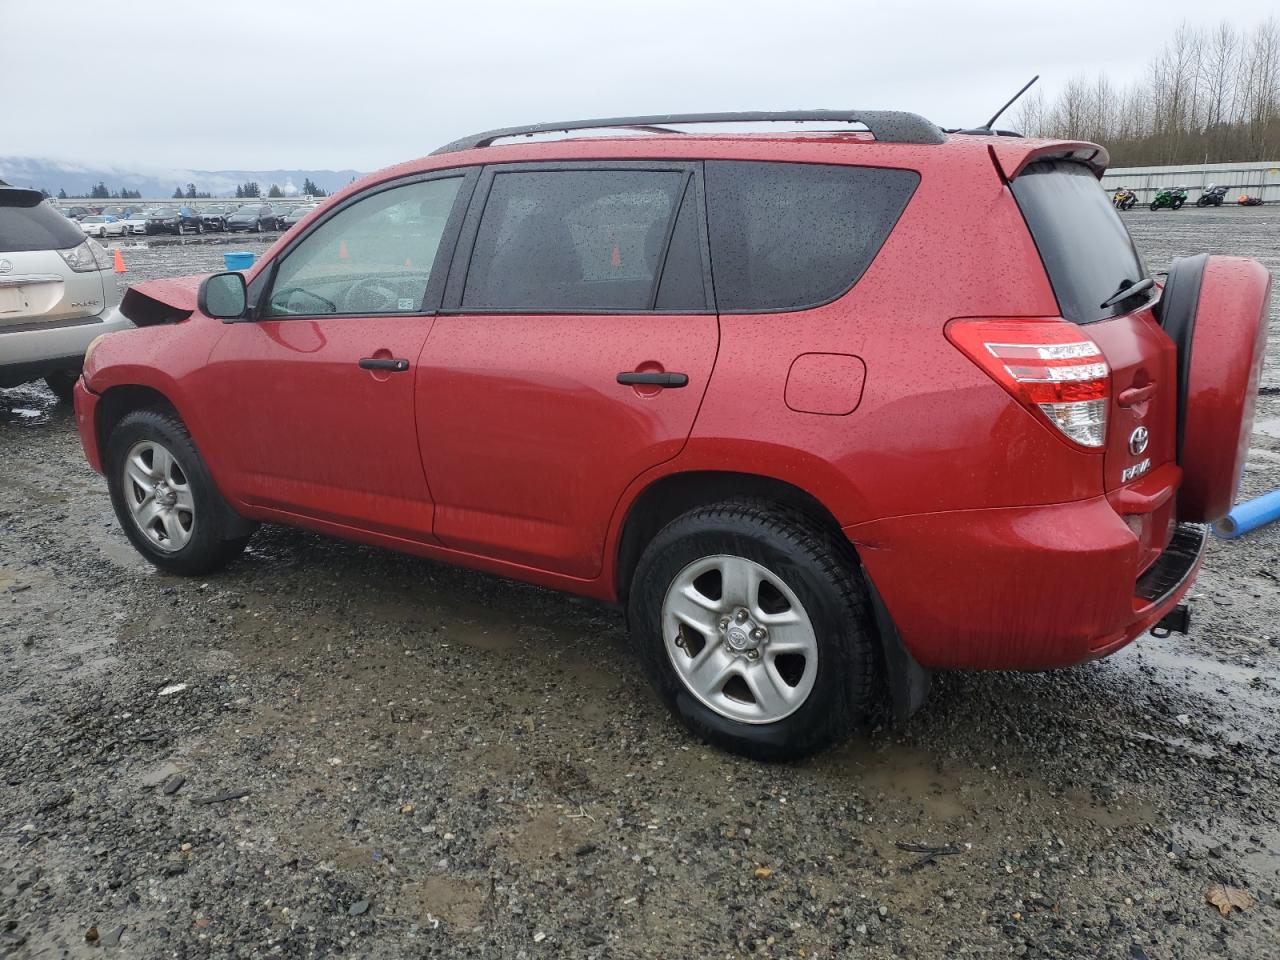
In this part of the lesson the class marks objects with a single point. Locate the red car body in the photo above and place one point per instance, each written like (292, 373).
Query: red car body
(992, 540)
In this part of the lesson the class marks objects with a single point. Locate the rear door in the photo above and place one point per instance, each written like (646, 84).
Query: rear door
(575, 344)
(1089, 257)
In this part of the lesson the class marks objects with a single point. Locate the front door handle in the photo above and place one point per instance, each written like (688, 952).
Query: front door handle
(384, 363)
(631, 378)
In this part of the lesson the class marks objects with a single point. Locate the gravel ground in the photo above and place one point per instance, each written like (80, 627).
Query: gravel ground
(372, 755)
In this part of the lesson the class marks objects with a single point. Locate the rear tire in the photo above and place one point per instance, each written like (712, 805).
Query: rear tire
(1177, 204)
(62, 383)
(794, 592)
(165, 499)
(1154, 206)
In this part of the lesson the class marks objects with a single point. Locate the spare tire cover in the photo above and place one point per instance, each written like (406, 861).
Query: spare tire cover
(1220, 327)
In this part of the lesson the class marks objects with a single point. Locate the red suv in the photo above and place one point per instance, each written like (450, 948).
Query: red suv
(825, 411)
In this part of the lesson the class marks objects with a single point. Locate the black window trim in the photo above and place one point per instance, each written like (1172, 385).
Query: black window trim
(264, 282)
(452, 302)
(870, 263)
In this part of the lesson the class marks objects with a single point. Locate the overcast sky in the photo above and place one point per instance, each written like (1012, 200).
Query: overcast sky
(263, 84)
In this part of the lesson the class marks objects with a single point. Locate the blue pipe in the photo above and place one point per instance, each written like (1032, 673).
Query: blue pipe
(1249, 516)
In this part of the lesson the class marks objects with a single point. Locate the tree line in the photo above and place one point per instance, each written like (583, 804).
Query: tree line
(1209, 95)
(250, 189)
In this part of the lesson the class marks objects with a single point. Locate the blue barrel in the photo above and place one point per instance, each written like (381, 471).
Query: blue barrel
(239, 260)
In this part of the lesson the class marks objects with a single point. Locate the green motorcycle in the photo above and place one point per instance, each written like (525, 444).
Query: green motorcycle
(1173, 198)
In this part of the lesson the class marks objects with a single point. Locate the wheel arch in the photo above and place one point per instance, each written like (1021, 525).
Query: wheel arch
(117, 402)
(668, 496)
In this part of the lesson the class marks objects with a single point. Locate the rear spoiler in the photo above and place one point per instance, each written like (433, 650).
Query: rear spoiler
(1012, 157)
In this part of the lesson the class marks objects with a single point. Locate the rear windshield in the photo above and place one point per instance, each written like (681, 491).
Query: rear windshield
(790, 235)
(1087, 251)
(36, 228)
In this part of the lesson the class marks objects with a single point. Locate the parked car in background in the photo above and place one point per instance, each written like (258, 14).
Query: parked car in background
(75, 213)
(136, 222)
(102, 226)
(189, 218)
(215, 218)
(295, 214)
(57, 293)
(164, 220)
(825, 474)
(253, 217)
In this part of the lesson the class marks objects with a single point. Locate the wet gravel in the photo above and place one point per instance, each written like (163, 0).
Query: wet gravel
(330, 750)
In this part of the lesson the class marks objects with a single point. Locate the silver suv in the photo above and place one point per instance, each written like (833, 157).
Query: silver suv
(57, 293)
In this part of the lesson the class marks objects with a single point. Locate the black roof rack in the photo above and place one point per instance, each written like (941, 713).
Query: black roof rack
(887, 126)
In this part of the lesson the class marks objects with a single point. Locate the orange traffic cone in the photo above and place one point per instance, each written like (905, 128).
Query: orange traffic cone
(616, 259)
(342, 249)
(120, 267)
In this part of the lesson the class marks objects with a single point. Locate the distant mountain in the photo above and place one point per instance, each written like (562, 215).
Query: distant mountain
(80, 178)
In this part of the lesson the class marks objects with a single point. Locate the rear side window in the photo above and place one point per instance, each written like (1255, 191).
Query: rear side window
(785, 236)
(573, 240)
(38, 227)
(1087, 251)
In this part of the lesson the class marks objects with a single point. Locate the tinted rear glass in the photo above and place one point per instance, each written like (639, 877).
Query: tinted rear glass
(36, 228)
(573, 240)
(788, 235)
(1087, 251)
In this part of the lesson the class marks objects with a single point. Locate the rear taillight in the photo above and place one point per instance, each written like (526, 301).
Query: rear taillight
(1049, 366)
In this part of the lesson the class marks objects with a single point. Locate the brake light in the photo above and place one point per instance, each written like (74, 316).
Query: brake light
(1049, 366)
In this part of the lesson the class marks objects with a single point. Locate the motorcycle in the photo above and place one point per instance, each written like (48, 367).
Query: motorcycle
(1171, 197)
(1212, 197)
(1124, 199)
(1248, 201)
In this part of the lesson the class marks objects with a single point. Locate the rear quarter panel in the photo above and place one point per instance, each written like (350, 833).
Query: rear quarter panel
(932, 432)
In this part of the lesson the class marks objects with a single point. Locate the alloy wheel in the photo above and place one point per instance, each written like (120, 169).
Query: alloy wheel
(739, 639)
(158, 494)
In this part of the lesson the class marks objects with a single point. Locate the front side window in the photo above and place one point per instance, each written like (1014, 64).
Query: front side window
(373, 257)
(573, 240)
(785, 236)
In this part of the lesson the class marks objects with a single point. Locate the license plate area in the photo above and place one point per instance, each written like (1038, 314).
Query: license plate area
(13, 300)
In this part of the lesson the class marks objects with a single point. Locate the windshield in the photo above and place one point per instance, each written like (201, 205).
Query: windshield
(248, 211)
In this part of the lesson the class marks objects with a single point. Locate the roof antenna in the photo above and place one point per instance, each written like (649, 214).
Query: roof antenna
(1012, 100)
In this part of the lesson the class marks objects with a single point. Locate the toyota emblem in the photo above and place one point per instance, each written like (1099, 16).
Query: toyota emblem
(1138, 441)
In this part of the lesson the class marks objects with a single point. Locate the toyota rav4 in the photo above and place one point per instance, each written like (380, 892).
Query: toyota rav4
(824, 411)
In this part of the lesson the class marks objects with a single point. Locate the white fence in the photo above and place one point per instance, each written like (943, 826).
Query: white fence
(1256, 179)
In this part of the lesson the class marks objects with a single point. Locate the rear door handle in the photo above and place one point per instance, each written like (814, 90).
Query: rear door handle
(631, 378)
(384, 363)
(1136, 395)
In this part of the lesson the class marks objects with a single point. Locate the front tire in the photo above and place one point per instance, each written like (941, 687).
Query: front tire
(754, 626)
(165, 499)
(1177, 204)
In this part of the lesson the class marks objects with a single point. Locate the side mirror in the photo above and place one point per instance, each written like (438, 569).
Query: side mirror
(223, 296)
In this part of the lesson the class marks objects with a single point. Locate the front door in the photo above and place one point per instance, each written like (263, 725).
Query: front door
(316, 395)
(572, 355)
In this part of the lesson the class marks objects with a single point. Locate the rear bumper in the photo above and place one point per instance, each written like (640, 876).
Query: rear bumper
(35, 350)
(1022, 588)
(86, 404)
